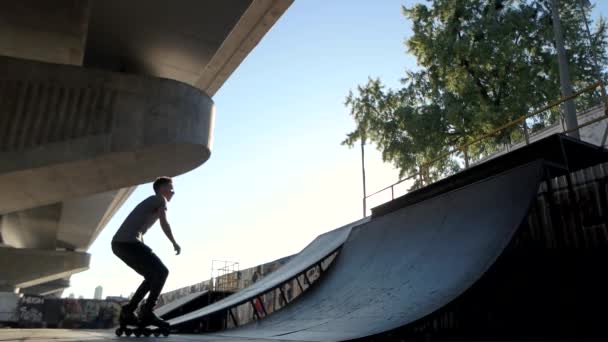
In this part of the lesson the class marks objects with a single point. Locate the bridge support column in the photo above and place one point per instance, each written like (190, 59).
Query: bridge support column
(9, 301)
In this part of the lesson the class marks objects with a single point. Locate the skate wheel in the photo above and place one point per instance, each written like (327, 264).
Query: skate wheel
(147, 332)
(118, 332)
(156, 333)
(137, 333)
(129, 332)
(165, 332)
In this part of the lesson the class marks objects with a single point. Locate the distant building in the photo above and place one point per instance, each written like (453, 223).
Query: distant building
(71, 295)
(98, 292)
(117, 299)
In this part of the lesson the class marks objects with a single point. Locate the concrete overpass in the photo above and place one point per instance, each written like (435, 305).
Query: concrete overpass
(96, 97)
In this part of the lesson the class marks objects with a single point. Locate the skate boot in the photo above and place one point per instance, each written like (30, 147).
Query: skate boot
(149, 318)
(129, 323)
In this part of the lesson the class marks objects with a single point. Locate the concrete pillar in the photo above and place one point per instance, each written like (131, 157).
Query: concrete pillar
(49, 31)
(9, 302)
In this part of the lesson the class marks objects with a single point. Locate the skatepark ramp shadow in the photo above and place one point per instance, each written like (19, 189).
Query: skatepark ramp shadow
(414, 256)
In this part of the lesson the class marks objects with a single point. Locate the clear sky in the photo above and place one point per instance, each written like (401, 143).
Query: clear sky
(277, 176)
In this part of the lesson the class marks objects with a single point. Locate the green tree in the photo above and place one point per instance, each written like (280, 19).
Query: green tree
(482, 63)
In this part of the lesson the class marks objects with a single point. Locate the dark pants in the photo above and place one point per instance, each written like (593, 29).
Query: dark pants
(141, 259)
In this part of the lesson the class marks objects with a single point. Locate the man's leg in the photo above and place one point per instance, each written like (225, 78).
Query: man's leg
(137, 256)
(139, 294)
(157, 275)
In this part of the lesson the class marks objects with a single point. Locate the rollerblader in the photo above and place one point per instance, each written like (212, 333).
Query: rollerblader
(128, 245)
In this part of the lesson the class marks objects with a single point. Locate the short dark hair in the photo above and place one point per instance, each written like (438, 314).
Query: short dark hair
(160, 181)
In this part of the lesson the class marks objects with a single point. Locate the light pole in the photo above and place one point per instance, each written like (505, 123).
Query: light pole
(564, 73)
(363, 174)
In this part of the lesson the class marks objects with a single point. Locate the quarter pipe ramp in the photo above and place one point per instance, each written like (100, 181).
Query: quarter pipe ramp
(397, 268)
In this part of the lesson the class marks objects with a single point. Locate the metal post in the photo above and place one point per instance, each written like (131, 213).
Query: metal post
(539, 221)
(465, 151)
(604, 97)
(603, 199)
(526, 134)
(605, 104)
(556, 223)
(255, 310)
(283, 295)
(307, 279)
(236, 323)
(363, 174)
(564, 72)
(299, 284)
(262, 305)
(574, 203)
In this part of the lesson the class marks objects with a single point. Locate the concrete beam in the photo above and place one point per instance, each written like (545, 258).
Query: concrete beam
(46, 289)
(25, 267)
(31, 228)
(72, 224)
(68, 132)
(244, 37)
(118, 200)
(196, 42)
(82, 219)
(49, 31)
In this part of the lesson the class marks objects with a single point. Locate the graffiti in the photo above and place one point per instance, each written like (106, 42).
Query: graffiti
(32, 300)
(32, 315)
(171, 296)
(67, 313)
(30, 310)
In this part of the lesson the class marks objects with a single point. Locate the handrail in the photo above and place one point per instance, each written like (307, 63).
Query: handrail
(512, 123)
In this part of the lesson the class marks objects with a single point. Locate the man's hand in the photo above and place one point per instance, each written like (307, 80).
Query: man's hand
(167, 230)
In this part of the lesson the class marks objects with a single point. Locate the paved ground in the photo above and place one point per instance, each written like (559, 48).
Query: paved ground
(58, 335)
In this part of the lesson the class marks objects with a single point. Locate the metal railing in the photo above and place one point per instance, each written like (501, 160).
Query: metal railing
(224, 275)
(464, 149)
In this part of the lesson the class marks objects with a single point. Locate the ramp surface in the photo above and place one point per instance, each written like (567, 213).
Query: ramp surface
(400, 267)
(315, 252)
(178, 303)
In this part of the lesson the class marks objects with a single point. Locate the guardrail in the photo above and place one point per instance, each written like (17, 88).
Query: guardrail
(463, 150)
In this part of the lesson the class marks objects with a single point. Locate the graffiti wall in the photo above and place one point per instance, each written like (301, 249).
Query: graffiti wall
(274, 300)
(239, 280)
(236, 281)
(30, 311)
(170, 296)
(36, 311)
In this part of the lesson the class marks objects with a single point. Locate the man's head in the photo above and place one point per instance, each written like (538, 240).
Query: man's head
(164, 186)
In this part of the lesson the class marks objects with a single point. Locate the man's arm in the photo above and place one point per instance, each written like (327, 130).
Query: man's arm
(167, 229)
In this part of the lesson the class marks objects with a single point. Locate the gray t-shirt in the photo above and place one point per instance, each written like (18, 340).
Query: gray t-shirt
(140, 219)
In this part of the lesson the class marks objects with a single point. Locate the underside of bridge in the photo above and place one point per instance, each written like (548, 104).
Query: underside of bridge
(97, 97)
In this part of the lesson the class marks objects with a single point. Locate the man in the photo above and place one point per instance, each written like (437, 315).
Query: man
(128, 245)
